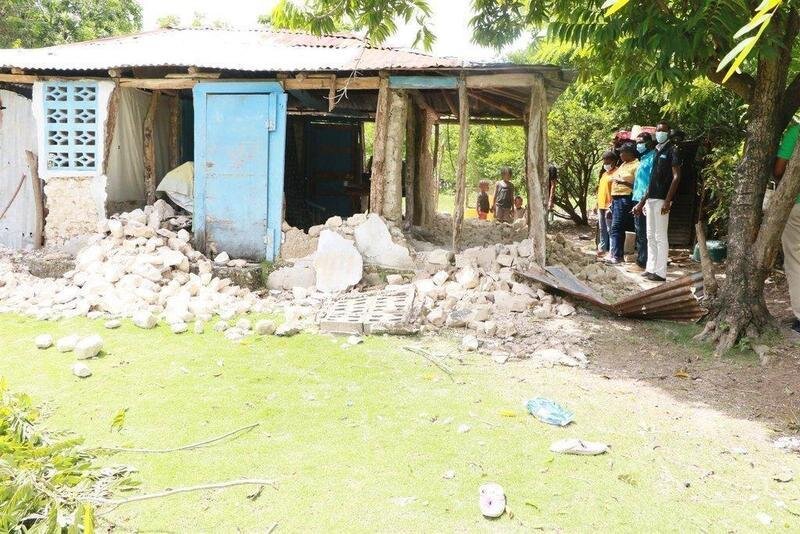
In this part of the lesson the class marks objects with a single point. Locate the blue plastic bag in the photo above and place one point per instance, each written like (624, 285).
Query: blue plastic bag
(549, 412)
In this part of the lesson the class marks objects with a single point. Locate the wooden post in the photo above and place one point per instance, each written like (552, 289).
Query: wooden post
(395, 137)
(426, 188)
(535, 169)
(110, 126)
(150, 150)
(38, 199)
(411, 167)
(461, 172)
(175, 133)
(378, 177)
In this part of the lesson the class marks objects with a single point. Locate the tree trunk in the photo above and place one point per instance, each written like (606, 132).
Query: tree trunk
(395, 142)
(740, 309)
(378, 174)
(535, 169)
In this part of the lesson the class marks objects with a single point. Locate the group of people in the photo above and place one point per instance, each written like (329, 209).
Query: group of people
(506, 205)
(637, 186)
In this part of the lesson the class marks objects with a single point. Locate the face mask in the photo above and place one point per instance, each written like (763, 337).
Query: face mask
(662, 137)
(608, 166)
(641, 147)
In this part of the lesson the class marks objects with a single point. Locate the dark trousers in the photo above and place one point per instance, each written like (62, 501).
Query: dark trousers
(621, 219)
(640, 223)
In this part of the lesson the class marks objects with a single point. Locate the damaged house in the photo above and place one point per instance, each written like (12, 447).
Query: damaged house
(252, 128)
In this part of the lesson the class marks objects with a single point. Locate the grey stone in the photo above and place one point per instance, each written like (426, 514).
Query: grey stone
(264, 327)
(287, 329)
(112, 324)
(88, 347)
(67, 343)
(44, 341)
(144, 319)
(81, 370)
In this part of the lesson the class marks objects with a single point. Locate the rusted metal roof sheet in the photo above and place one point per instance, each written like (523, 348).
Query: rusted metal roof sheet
(227, 49)
(677, 300)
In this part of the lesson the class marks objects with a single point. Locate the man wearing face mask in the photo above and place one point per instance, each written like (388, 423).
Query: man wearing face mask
(645, 146)
(657, 202)
(621, 203)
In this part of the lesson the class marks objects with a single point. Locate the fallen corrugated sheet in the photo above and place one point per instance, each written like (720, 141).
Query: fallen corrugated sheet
(677, 300)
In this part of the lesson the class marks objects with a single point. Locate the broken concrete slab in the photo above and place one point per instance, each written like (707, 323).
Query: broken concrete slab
(337, 263)
(374, 242)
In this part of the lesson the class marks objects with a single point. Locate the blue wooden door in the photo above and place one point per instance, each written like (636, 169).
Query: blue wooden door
(240, 132)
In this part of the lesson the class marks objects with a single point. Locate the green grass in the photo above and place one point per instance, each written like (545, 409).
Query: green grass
(447, 201)
(349, 433)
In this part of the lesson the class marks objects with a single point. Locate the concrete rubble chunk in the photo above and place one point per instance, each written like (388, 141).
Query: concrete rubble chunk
(199, 326)
(221, 326)
(44, 341)
(438, 257)
(179, 327)
(337, 263)
(470, 342)
(112, 324)
(243, 324)
(440, 278)
(500, 357)
(468, 277)
(67, 343)
(235, 334)
(264, 327)
(88, 347)
(287, 329)
(565, 310)
(222, 258)
(81, 370)
(374, 242)
(436, 317)
(144, 319)
(394, 279)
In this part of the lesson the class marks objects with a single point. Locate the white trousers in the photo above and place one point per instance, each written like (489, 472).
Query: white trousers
(657, 237)
(791, 257)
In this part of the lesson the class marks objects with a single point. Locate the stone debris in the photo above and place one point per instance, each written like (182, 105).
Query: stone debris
(374, 241)
(141, 265)
(289, 328)
(44, 341)
(88, 347)
(355, 340)
(112, 324)
(264, 327)
(67, 343)
(81, 370)
(470, 342)
(179, 327)
(199, 326)
(221, 326)
(337, 263)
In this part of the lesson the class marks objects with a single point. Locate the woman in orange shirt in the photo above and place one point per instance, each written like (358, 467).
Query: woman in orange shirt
(604, 202)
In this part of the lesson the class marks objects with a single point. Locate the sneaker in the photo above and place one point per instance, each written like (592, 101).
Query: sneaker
(647, 274)
(613, 261)
(636, 268)
(655, 278)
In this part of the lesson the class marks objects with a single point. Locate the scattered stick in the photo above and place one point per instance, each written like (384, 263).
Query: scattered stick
(431, 359)
(272, 528)
(197, 445)
(175, 491)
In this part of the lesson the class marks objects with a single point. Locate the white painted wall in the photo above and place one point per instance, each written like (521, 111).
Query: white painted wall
(98, 179)
(17, 134)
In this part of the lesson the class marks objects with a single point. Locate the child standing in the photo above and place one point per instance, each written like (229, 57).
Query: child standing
(483, 199)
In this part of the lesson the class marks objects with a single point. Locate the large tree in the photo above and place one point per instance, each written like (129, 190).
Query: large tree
(34, 23)
(664, 45)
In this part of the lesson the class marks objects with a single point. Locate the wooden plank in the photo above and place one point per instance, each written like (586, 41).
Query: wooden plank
(450, 104)
(411, 174)
(422, 102)
(461, 170)
(423, 82)
(505, 108)
(110, 126)
(332, 94)
(150, 150)
(535, 167)
(523, 99)
(193, 76)
(482, 81)
(351, 84)
(379, 150)
(18, 78)
(426, 188)
(157, 83)
(175, 132)
(38, 199)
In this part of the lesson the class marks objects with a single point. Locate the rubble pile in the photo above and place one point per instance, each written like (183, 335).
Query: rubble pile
(474, 232)
(604, 279)
(138, 266)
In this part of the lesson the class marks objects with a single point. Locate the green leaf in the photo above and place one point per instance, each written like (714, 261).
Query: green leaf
(119, 420)
(612, 6)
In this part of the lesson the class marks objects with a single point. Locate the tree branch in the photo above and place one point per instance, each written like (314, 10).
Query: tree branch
(740, 83)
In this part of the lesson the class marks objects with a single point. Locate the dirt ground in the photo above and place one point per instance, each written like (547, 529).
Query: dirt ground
(664, 355)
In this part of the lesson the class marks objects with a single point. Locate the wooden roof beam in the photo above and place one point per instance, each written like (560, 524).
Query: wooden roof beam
(505, 108)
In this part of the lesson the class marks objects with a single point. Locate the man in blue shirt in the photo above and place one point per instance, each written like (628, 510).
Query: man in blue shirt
(645, 145)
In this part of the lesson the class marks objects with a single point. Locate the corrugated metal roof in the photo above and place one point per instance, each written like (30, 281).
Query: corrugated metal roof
(226, 49)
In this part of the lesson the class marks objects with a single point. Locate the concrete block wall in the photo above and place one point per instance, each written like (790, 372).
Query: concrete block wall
(71, 209)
